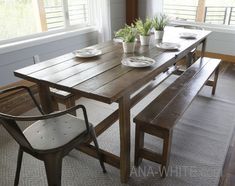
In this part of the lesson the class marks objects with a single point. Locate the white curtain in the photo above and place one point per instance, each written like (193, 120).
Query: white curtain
(101, 18)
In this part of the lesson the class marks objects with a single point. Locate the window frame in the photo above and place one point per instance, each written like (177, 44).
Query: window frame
(207, 26)
(47, 38)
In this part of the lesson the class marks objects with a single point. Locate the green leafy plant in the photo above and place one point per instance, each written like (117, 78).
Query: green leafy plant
(159, 22)
(127, 34)
(143, 28)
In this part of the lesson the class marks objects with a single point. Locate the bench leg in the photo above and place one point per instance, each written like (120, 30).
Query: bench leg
(139, 144)
(189, 59)
(54, 103)
(215, 80)
(166, 153)
(70, 102)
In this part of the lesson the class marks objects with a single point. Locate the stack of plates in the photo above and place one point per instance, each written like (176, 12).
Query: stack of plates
(138, 61)
(188, 35)
(168, 46)
(89, 52)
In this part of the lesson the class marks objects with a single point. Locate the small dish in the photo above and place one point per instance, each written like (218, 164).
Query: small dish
(138, 61)
(88, 52)
(118, 40)
(188, 35)
(168, 46)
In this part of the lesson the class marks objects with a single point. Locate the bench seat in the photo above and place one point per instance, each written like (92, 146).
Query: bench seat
(66, 98)
(160, 116)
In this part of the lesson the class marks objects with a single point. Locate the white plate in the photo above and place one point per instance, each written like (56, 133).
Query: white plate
(168, 46)
(89, 52)
(118, 40)
(138, 61)
(188, 35)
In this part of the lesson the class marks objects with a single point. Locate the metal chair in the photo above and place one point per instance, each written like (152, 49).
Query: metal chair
(50, 138)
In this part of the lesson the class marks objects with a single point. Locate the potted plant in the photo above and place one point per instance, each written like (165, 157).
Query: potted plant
(159, 23)
(143, 29)
(128, 35)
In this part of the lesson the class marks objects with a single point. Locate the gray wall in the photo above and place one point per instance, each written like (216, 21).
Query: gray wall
(221, 43)
(149, 8)
(24, 57)
(118, 14)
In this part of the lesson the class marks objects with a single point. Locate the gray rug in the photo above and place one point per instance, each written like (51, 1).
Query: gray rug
(200, 143)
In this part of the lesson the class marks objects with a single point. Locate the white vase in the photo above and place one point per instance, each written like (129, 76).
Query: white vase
(128, 47)
(158, 34)
(144, 40)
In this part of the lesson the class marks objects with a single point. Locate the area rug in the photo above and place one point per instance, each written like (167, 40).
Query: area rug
(200, 142)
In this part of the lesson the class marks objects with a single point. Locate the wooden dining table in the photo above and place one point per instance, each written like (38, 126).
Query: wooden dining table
(104, 78)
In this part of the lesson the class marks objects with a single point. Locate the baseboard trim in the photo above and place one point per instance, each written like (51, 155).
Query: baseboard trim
(224, 57)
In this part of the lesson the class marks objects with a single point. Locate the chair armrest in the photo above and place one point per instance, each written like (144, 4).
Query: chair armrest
(43, 117)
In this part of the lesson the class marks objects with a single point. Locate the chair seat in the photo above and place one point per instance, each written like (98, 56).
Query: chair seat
(53, 133)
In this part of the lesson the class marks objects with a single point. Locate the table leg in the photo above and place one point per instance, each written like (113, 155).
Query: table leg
(124, 127)
(45, 98)
(203, 48)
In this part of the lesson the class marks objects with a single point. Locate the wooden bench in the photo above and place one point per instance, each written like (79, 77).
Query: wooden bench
(160, 116)
(66, 98)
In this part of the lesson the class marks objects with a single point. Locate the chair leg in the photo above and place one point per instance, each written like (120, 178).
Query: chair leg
(97, 149)
(166, 153)
(53, 166)
(215, 80)
(19, 162)
(139, 144)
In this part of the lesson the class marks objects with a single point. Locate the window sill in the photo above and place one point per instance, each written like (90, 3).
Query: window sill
(18, 45)
(211, 27)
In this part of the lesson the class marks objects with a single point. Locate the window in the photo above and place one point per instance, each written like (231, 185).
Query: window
(220, 12)
(25, 17)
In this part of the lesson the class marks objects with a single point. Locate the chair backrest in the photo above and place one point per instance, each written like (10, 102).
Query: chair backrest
(13, 129)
